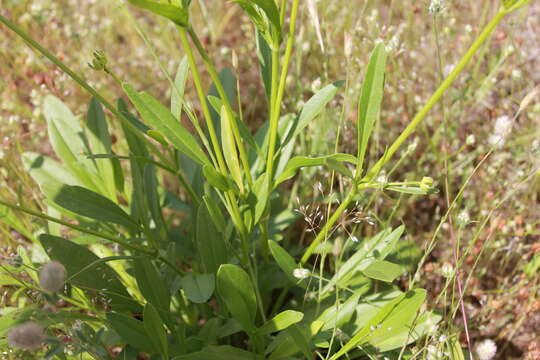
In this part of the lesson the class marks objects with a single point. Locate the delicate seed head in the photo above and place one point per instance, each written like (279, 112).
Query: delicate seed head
(27, 336)
(52, 277)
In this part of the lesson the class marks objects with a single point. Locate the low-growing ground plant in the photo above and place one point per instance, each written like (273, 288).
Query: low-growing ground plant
(123, 267)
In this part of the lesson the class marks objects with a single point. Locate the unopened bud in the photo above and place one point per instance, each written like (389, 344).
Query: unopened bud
(99, 62)
(426, 184)
(52, 277)
(27, 336)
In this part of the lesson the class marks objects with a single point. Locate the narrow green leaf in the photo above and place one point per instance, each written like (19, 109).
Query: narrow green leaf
(75, 259)
(210, 242)
(198, 288)
(87, 203)
(397, 312)
(177, 92)
(383, 271)
(154, 113)
(280, 322)
(299, 162)
(131, 331)
(285, 261)
(315, 105)
(370, 101)
(370, 250)
(151, 284)
(223, 352)
(454, 349)
(99, 141)
(155, 330)
(50, 175)
(217, 180)
(339, 314)
(236, 290)
(178, 15)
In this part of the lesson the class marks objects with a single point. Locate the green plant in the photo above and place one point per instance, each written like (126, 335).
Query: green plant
(223, 264)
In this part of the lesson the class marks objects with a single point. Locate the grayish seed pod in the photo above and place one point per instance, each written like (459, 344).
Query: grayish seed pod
(52, 277)
(27, 336)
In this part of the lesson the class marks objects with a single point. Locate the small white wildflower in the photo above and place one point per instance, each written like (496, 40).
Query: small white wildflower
(471, 139)
(468, 28)
(447, 270)
(27, 336)
(516, 74)
(316, 84)
(301, 273)
(486, 350)
(502, 128)
(354, 239)
(52, 277)
(443, 338)
(412, 146)
(463, 218)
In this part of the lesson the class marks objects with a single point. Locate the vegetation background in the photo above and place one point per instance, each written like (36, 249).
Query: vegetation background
(488, 126)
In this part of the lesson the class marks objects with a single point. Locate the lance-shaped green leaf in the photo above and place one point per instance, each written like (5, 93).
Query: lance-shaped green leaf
(100, 142)
(334, 162)
(236, 290)
(383, 271)
(177, 14)
(210, 242)
(265, 16)
(159, 117)
(399, 311)
(155, 329)
(315, 105)
(101, 280)
(131, 331)
(87, 203)
(280, 322)
(370, 101)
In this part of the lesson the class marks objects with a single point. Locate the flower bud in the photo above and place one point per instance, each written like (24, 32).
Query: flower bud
(52, 277)
(99, 62)
(426, 184)
(27, 336)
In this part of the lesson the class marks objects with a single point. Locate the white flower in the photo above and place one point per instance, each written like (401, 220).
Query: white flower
(463, 218)
(502, 128)
(27, 336)
(471, 139)
(486, 350)
(52, 277)
(301, 273)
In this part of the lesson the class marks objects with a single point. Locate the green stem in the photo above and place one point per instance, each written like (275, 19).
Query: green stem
(79, 80)
(406, 133)
(228, 108)
(111, 238)
(274, 120)
(421, 115)
(202, 98)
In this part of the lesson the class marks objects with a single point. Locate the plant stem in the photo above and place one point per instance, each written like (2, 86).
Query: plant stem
(406, 133)
(421, 115)
(79, 80)
(111, 238)
(202, 98)
(228, 108)
(234, 211)
(275, 114)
